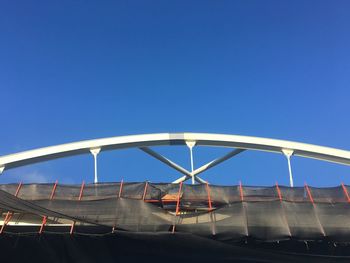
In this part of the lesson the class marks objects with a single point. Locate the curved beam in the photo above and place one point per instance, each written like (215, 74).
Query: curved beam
(201, 139)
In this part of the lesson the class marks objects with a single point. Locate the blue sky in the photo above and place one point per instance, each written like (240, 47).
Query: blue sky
(74, 70)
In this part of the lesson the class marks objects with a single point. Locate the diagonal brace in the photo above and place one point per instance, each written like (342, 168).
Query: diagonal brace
(187, 174)
(210, 165)
(217, 161)
(166, 161)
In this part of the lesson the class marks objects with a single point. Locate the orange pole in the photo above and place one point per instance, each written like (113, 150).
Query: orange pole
(345, 192)
(80, 197)
(121, 188)
(18, 188)
(145, 191)
(241, 190)
(53, 190)
(119, 195)
(209, 199)
(177, 205)
(81, 191)
(9, 214)
(279, 192)
(178, 200)
(309, 193)
(45, 217)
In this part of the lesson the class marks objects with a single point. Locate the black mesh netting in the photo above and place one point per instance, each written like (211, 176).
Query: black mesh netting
(227, 212)
(154, 212)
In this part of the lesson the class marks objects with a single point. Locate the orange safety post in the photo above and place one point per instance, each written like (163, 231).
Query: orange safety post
(209, 199)
(241, 190)
(145, 192)
(81, 191)
(279, 192)
(45, 217)
(178, 200)
(177, 204)
(80, 197)
(119, 195)
(345, 192)
(53, 190)
(9, 214)
(120, 188)
(309, 193)
(210, 209)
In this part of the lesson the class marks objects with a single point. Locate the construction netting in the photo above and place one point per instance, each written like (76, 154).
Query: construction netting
(160, 247)
(226, 212)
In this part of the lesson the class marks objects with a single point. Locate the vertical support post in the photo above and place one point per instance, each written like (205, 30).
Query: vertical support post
(18, 188)
(45, 217)
(241, 191)
(80, 197)
(9, 214)
(145, 192)
(209, 198)
(309, 193)
(81, 191)
(313, 204)
(95, 152)
(282, 207)
(288, 153)
(190, 145)
(345, 192)
(178, 199)
(211, 215)
(279, 192)
(121, 188)
(53, 190)
(177, 205)
(119, 194)
(243, 207)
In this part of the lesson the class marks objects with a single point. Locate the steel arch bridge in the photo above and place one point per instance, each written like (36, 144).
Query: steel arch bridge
(237, 143)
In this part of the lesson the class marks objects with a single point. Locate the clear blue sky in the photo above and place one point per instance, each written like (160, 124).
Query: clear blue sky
(74, 70)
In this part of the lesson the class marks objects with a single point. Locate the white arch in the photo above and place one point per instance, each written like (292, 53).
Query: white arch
(202, 139)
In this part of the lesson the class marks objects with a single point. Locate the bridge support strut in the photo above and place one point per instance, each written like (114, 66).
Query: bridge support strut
(288, 153)
(95, 152)
(190, 145)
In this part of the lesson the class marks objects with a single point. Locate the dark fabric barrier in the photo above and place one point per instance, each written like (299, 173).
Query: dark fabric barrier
(218, 212)
(156, 247)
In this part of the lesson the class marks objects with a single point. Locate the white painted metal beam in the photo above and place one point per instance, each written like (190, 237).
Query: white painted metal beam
(188, 175)
(208, 166)
(166, 161)
(181, 179)
(199, 180)
(95, 152)
(288, 153)
(217, 161)
(202, 139)
(190, 145)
